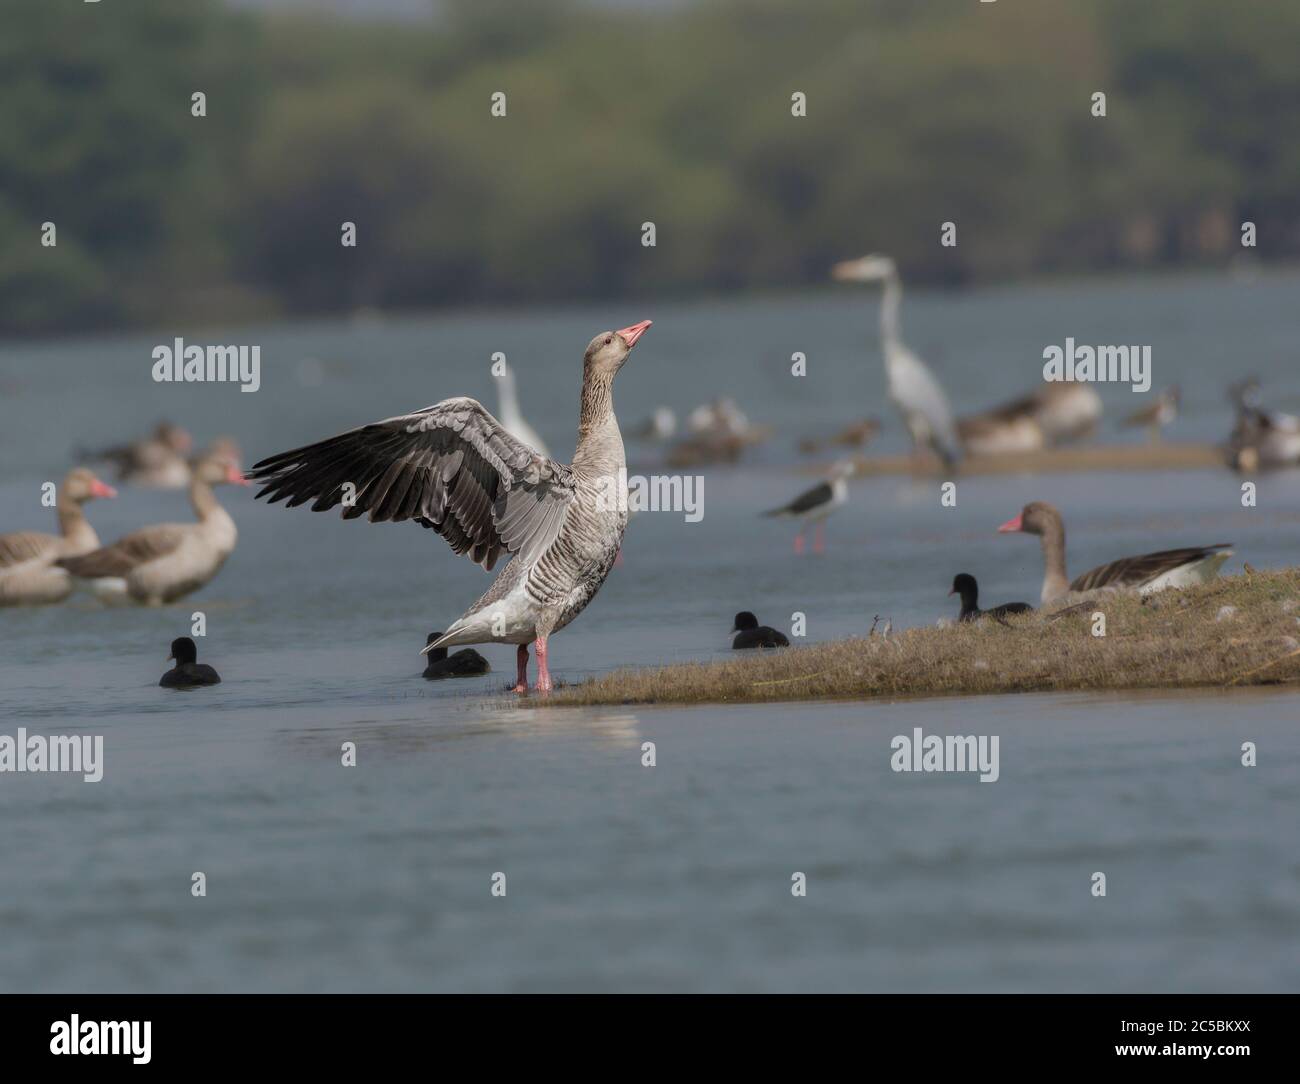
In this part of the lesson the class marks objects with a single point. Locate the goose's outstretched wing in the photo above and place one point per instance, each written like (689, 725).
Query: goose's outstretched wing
(452, 467)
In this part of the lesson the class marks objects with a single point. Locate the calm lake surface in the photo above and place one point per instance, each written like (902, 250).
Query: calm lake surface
(676, 877)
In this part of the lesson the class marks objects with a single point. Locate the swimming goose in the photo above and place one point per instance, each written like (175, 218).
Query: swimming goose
(187, 672)
(158, 461)
(29, 575)
(814, 505)
(511, 416)
(169, 560)
(964, 584)
(453, 467)
(1155, 416)
(466, 663)
(912, 387)
(749, 633)
(1147, 573)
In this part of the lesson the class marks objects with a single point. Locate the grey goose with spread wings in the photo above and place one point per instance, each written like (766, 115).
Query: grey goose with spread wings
(454, 468)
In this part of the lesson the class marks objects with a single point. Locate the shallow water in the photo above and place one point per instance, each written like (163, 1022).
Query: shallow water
(619, 876)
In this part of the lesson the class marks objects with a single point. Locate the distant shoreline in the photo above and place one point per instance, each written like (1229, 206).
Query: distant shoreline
(1237, 631)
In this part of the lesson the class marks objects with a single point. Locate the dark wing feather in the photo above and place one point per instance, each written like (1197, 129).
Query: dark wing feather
(127, 553)
(451, 467)
(805, 502)
(1136, 571)
(1010, 608)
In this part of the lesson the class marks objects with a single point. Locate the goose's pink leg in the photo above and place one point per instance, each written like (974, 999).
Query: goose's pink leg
(798, 542)
(543, 671)
(521, 681)
(819, 538)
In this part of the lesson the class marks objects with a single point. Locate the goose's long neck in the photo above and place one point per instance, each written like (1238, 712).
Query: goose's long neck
(890, 331)
(215, 522)
(1055, 581)
(600, 444)
(74, 527)
(205, 504)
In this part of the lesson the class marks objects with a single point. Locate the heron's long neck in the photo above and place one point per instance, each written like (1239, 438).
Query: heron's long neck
(890, 333)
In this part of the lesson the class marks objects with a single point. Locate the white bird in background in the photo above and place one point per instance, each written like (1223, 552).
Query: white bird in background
(814, 505)
(1261, 438)
(510, 416)
(722, 417)
(912, 387)
(661, 425)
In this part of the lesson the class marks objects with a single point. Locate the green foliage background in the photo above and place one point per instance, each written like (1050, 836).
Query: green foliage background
(919, 111)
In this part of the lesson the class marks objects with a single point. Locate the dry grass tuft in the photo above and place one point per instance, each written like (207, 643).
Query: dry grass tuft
(1174, 639)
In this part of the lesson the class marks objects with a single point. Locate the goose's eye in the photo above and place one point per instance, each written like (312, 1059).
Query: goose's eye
(609, 340)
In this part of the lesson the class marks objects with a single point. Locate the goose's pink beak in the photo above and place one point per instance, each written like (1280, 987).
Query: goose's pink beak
(630, 334)
(1017, 524)
(99, 489)
(235, 477)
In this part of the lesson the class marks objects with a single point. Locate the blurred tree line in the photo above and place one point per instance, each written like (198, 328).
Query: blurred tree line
(918, 113)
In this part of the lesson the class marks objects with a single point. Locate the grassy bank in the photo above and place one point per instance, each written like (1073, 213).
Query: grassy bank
(1175, 639)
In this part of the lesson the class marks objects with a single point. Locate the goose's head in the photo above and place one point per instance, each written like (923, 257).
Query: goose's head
(176, 438)
(1037, 517)
(81, 485)
(216, 469)
(872, 268)
(608, 350)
